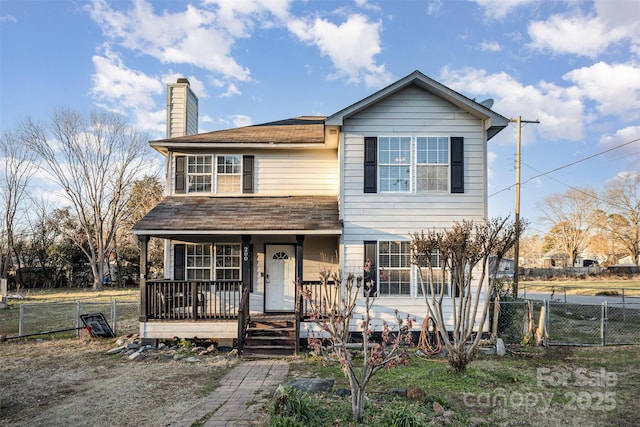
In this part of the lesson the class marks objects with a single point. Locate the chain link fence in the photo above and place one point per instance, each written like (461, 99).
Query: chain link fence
(605, 323)
(63, 318)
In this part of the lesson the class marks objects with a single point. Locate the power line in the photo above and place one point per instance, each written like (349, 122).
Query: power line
(577, 189)
(568, 165)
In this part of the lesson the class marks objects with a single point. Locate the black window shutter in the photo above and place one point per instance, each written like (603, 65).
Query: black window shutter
(370, 277)
(178, 262)
(247, 174)
(457, 164)
(370, 164)
(180, 174)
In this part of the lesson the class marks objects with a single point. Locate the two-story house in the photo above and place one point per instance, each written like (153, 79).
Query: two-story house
(251, 211)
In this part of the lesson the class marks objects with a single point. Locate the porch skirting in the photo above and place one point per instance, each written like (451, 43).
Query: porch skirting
(227, 329)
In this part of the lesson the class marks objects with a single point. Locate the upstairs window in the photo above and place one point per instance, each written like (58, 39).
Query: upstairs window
(394, 154)
(228, 174)
(199, 172)
(227, 177)
(414, 164)
(432, 164)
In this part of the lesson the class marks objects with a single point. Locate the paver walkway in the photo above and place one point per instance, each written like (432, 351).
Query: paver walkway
(241, 393)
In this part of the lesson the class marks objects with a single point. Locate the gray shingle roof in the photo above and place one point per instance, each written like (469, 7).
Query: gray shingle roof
(300, 130)
(208, 215)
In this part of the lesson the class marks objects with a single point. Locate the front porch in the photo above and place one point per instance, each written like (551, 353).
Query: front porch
(217, 310)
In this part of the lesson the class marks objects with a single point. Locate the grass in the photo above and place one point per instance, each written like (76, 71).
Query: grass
(529, 386)
(588, 286)
(58, 312)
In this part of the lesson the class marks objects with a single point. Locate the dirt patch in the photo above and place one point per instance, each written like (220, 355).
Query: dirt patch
(74, 382)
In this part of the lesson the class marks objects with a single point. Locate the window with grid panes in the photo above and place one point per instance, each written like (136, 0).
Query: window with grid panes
(199, 171)
(228, 260)
(228, 174)
(432, 163)
(394, 265)
(394, 163)
(198, 262)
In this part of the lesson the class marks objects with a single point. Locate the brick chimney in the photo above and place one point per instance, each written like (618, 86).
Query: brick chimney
(182, 109)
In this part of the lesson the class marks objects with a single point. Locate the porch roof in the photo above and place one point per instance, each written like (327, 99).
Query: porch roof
(203, 215)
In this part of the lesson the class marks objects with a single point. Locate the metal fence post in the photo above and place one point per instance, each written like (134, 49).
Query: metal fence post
(21, 321)
(114, 315)
(604, 324)
(546, 316)
(76, 322)
(624, 317)
(565, 294)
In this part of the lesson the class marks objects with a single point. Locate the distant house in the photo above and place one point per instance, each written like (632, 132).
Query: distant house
(505, 267)
(251, 211)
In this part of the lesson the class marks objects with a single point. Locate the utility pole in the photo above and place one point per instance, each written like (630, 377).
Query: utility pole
(516, 247)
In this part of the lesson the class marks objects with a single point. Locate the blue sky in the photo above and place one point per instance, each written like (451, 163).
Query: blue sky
(573, 65)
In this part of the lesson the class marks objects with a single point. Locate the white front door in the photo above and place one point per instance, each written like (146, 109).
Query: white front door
(280, 278)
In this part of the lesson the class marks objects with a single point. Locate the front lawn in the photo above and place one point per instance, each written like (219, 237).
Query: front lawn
(527, 387)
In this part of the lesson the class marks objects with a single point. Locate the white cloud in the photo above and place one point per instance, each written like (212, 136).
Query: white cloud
(434, 7)
(8, 19)
(240, 120)
(115, 82)
(174, 37)
(351, 46)
(589, 35)
(232, 90)
(614, 87)
(560, 110)
(623, 136)
(121, 89)
(490, 46)
(498, 9)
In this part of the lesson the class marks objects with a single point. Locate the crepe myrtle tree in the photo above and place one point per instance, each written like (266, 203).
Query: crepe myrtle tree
(460, 256)
(334, 314)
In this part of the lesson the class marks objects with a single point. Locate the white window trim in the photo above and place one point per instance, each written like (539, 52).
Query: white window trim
(413, 165)
(380, 268)
(212, 253)
(216, 175)
(213, 174)
(214, 260)
(414, 282)
(186, 260)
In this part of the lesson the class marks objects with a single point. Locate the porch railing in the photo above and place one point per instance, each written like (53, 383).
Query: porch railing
(243, 320)
(192, 300)
(318, 297)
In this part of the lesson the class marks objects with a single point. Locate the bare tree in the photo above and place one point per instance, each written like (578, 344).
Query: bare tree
(623, 219)
(18, 168)
(95, 160)
(460, 256)
(572, 216)
(145, 193)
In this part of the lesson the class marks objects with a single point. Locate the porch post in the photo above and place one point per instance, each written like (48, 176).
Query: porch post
(299, 276)
(143, 242)
(246, 263)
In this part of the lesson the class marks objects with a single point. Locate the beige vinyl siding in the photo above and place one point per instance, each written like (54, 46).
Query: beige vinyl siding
(182, 116)
(299, 172)
(284, 172)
